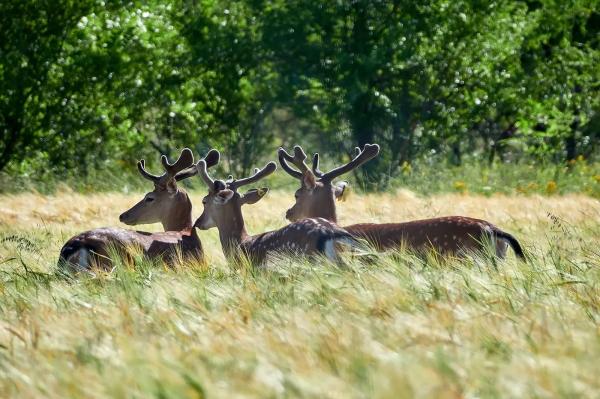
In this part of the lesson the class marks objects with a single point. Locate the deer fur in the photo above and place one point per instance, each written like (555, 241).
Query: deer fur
(223, 210)
(450, 235)
(166, 204)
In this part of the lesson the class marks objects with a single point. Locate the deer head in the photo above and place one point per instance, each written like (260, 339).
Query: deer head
(166, 203)
(223, 204)
(317, 193)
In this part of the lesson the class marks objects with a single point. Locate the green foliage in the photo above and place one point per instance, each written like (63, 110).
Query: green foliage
(521, 179)
(33, 33)
(92, 85)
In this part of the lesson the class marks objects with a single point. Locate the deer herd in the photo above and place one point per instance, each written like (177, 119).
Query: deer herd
(313, 228)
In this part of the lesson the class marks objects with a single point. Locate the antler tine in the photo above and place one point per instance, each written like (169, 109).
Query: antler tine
(142, 169)
(185, 160)
(299, 158)
(315, 165)
(370, 151)
(201, 166)
(211, 158)
(283, 161)
(189, 172)
(260, 174)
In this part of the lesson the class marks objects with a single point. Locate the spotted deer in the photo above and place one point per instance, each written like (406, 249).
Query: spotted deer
(450, 235)
(166, 204)
(223, 210)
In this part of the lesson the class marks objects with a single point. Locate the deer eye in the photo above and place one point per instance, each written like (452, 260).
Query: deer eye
(149, 199)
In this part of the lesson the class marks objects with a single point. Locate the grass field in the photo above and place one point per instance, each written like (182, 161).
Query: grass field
(397, 327)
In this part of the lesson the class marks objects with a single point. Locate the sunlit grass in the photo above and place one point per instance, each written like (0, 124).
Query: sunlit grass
(395, 326)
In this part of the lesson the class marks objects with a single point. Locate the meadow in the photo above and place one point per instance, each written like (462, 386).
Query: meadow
(396, 326)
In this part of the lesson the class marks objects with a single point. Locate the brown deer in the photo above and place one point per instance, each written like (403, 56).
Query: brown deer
(223, 210)
(451, 235)
(166, 204)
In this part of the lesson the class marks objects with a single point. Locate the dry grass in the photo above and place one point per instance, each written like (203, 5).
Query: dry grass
(398, 327)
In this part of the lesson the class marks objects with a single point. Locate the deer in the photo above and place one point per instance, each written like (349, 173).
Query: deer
(223, 210)
(450, 235)
(166, 204)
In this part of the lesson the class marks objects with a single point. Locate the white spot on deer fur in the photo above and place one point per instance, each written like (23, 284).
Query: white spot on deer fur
(501, 248)
(82, 258)
(454, 237)
(329, 249)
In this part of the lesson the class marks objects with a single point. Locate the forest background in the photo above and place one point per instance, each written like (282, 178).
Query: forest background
(462, 95)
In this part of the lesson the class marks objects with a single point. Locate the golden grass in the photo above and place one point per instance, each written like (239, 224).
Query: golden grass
(71, 213)
(398, 327)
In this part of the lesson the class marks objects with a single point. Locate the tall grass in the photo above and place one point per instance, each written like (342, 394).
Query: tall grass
(397, 326)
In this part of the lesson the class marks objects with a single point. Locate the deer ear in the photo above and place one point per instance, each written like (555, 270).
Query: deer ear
(172, 186)
(253, 196)
(341, 191)
(308, 180)
(223, 196)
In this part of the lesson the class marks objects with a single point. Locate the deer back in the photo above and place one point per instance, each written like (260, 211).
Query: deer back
(95, 248)
(305, 237)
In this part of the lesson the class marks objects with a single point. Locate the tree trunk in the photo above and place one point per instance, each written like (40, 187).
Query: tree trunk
(571, 140)
(12, 132)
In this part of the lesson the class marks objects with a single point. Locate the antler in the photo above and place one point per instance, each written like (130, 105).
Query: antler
(211, 159)
(369, 151)
(258, 174)
(185, 160)
(201, 166)
(297, 160)
(315, 165)
(142, 168)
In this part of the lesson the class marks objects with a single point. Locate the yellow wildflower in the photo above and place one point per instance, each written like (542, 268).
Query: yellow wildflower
(551, 187)
(460, 186)
(406, 168)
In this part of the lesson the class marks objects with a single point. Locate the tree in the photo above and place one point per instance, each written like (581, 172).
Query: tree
(32, 36)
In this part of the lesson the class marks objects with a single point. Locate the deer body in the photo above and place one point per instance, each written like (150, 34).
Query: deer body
(223, 210)
(305, 237)
(92, 248)
(165, 204)
(451, 235)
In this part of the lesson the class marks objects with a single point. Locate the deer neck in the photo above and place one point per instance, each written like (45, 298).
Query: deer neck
(180, 216)
(325, 210)
(233, 232)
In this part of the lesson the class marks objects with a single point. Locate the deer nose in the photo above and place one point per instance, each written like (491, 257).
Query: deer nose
(123, 217)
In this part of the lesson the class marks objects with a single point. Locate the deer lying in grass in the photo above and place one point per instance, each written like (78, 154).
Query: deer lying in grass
(223, 210)
(166, 204)
(451, 235)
